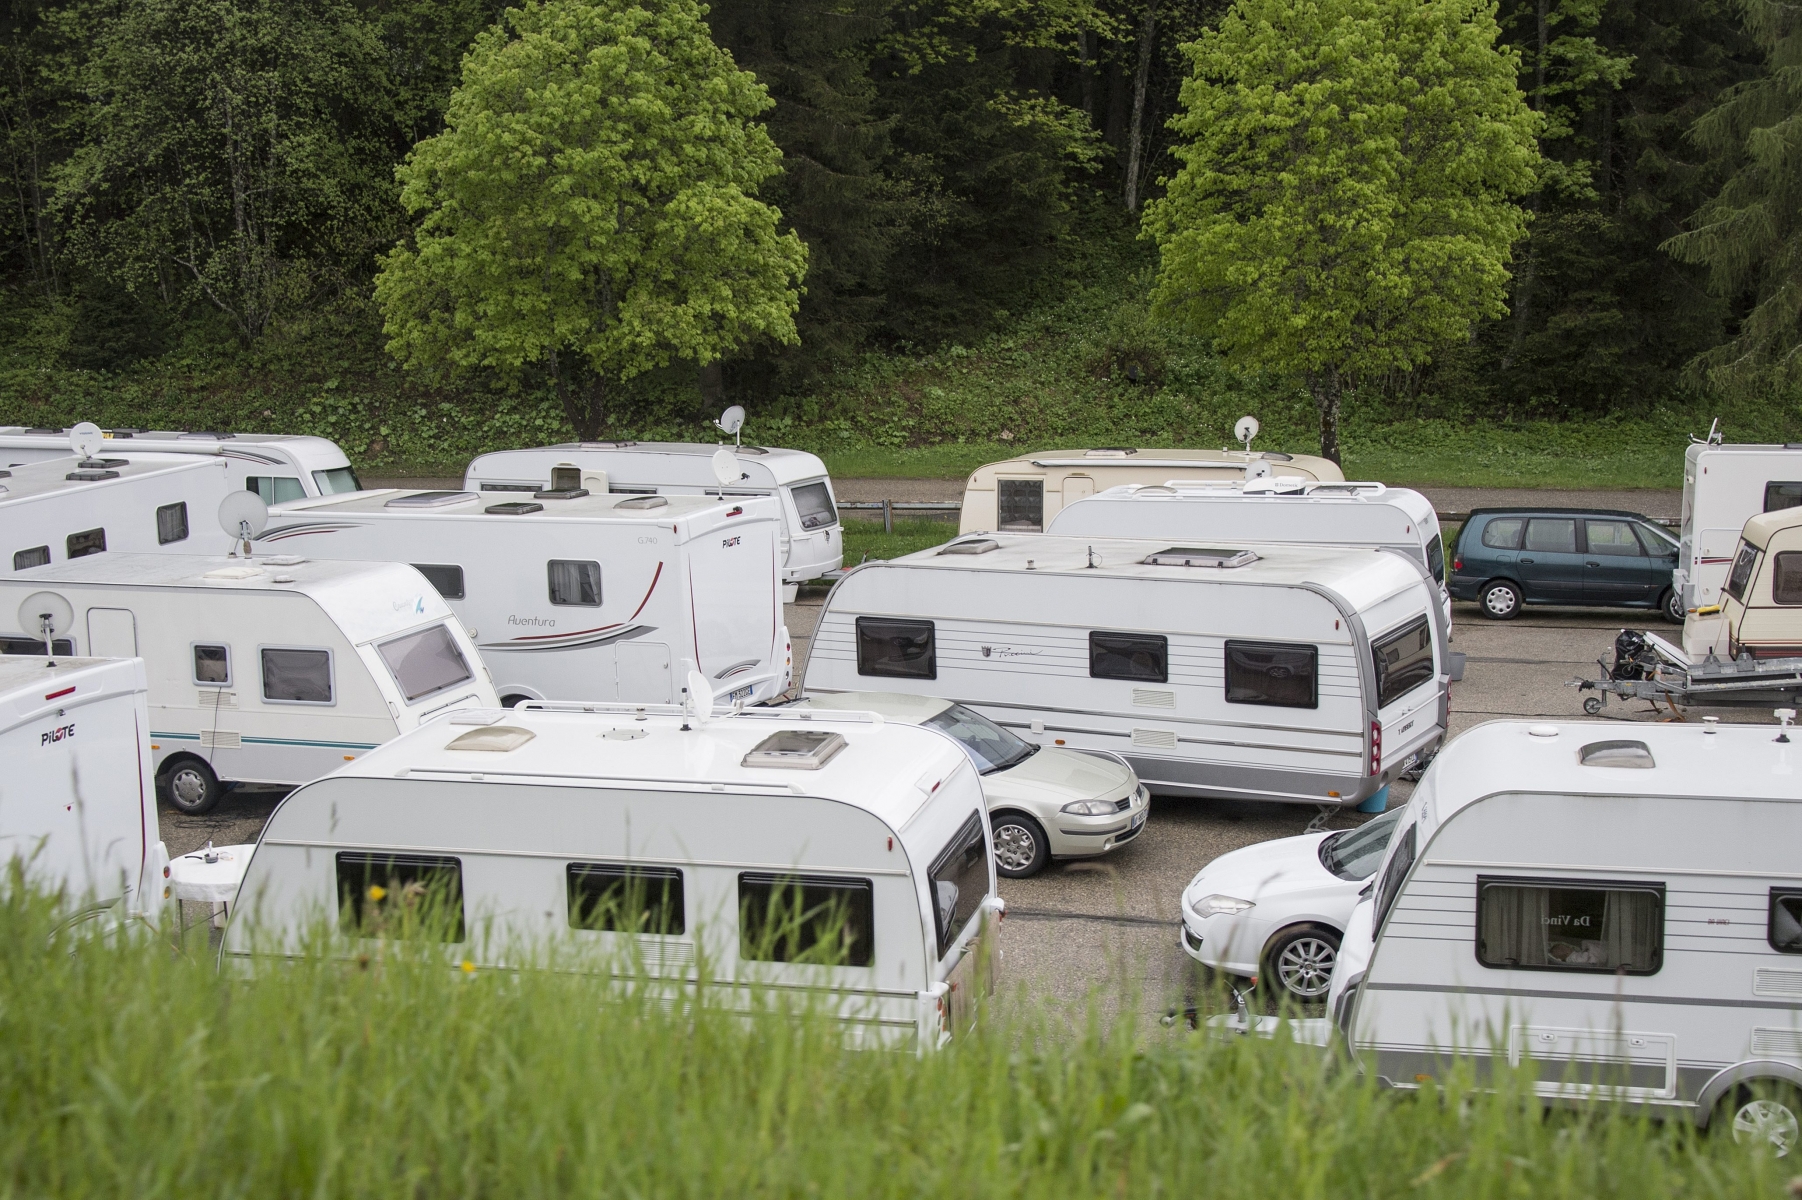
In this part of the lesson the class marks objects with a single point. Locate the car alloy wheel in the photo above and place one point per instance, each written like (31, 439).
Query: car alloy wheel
(1761, 1121)
(1302, 962)
(1501, 601)
(1020, 848)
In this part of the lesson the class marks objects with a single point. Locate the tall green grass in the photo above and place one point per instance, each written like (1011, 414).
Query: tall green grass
(131, 1069)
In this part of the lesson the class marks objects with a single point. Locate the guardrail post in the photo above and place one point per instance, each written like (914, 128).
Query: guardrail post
(888, 516)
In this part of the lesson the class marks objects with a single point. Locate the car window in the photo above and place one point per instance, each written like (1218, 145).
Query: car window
(1503, 533)
(989, 746)
(1551, 535)
(1658, 544)
(1357, 853)
(1612, 538)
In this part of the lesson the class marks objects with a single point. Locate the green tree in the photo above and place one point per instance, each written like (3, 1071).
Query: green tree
(1749, 236)
(591, 206)
(1345, 202)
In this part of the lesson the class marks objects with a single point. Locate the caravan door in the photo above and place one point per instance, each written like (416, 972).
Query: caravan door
(112, 633)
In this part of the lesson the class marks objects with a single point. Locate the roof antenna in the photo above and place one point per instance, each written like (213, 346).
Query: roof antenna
(1714, 435)
(1092, 563)
(1785, 715)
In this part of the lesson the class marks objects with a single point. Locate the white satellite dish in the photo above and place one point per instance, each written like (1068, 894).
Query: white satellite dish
(732, 420)
(1258, 470)
(243, 515)
(697, 706)
(48, 616)
(1245, 430)
(725, 467)
(86, 439)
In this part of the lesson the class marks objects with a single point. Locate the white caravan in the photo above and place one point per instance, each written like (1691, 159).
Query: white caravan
(1723, 488)
(830, 852)
(268, 670)
(76, 803)
(67, 508)
(1275, 673)
(812, 541)
(1620, 904)
(576, 596)
(1271, 511)
(275, 466)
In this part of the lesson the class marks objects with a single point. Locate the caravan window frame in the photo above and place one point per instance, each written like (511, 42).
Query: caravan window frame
(862, 954)
(674, 904)
(1739, 582)
(1790, 573)
(178, 510)
(1770, 922)
(1418, 626)
(426, 569)
(351, 919)
(194, 664)
(1583, 884)
(550, 582)
(968, 835)
(1226, 663)
(414, 635)
(868, 667)
(1161, 651)
(21, 561)
(331, 673)
(84, 542)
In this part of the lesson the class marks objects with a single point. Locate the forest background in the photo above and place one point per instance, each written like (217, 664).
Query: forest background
(196, 193)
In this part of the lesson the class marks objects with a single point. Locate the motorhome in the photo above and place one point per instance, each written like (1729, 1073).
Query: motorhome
(1273, 511)
(76, 803)
(1022, 495)
(580, 595)
(63, 509)
(812, 539)
(1285, 673)
(1723, 488)
(264, 670)
(834, 853)
(275, 466)
(1619, 904)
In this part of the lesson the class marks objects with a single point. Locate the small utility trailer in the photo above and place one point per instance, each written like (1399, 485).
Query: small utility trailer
(1647, 667)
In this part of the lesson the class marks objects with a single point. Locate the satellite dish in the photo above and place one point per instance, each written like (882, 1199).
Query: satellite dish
(243, 515)
(725, 467)
(86, 439)
(1258, 470)
(697, 706)
(732, 420)
(1245, 430)
(48, 616)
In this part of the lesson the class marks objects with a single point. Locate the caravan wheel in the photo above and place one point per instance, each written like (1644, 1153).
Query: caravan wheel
(1764, 1115)
(190, 787)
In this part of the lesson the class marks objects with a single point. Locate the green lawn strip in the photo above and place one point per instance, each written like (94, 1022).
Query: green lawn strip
(865, 539)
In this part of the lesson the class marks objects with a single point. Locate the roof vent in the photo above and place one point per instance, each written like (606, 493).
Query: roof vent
(495, 739)
(606, 445)
(641, 503)
(1200, 556)
(6, 474)
(1633, 755)
(974, 546)
(514, 508)
(283, 560)
(1108, 452)
(232, 574)
(795, 749)
(1275, 456)
(204, 435)
(90, 475)
(430, 499)
(575, 493)
(1154, 489)
(750, 450)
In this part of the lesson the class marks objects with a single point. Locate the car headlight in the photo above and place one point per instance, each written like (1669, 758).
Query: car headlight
(1219, 906)
(1089, 808)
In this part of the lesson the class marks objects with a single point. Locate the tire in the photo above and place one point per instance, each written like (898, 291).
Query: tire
(1671, 605)
(1762, 1114)
(190, 787)
(512, 701)
(1299, 963)
(1592, 705)
(1500, 601)
(1021, 848)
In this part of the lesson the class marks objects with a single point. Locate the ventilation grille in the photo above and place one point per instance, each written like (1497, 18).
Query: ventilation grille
(662, 954)
(217, 698)
(1161, 739)
(1777, 1043)
(221, 739)
(1153, 698)
(1770, 981)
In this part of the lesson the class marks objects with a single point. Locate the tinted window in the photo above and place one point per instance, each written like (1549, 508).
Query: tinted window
(447, 580)
(629, 899)
(1611, 538)
(212, 664)
(1784, 929)
(989, 746)
(1020, 505)
(960, 879)
(806, 918)
(1135, 656)
(400, 895)
(1436, 558)
(1786, 577)
(1741, 574)
(1400, 860)
(900, 649)
(425, 662)
(1271, 673)
(1657, 544)
(575, 583)
(1550, 535)
(1357, 853)
(274, 489)
(335, 480)
(172, 523)
(814, 503)
(1404, 660)
(1782, 495)
(297, 676)
(89, 541)
(13, 643)
(37, 556)
(1503, 533)
(1570, 925)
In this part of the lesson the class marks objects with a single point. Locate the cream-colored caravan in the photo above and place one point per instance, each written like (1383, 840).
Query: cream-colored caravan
(1761, 602)
(1022, 494)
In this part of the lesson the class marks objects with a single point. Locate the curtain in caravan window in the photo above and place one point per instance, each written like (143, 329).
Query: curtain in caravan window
(1570, 925)
(1510, 927)
(297, 676)
(574, 582)
(1786, 577)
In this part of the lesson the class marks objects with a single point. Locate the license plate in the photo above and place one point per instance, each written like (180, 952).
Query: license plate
(1140, 819)
(743, 693)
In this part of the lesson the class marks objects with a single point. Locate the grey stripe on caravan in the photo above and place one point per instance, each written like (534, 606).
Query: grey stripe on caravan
(1160, 717)
(576, 856)
(1604, 997)
(1591, 869)
(1193, 741)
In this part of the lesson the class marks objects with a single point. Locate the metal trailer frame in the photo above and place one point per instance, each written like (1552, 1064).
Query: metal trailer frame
(1647, 667)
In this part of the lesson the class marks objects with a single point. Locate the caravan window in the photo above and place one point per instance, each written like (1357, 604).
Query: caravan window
(575, 583)
(37, 556)
(275, 489)
(898, 649)
(13, 643)
(446, 580)
(212, 665)
(425, 663)
(1786, 577)
(1274, 673)
(1570, 925)
(1401, 860)
(1436, 559)
(625, 898)
(1784, 927)
(829, 919)
(336, 479)
(814, 503)
(400, 896)
(1404, 660)
(88, 541)
(292, 675)
(172, 523)
(1782, 495)
(1136, 656)
(960, 879)
(1020, 505)
(1741, 574)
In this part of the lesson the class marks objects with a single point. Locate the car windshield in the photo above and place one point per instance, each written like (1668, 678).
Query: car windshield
(1357, 853)
(991, 747)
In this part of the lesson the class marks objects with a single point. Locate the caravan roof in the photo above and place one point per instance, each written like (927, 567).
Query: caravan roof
(394, 502)
(782, 465)
(1759, 529)
(55, 476)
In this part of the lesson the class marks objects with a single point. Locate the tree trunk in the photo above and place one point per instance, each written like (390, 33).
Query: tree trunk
(1147, 35)
(584, 398)
(1325, 387)
(1088, 75)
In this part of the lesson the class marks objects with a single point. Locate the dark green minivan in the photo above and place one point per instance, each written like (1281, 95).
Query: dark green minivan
(1507, 558)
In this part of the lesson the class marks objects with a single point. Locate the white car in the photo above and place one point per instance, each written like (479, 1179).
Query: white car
(1045, 802)
(1278, 910)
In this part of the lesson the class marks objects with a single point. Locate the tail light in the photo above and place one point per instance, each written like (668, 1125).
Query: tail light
(1457, 564)
(1376, 747)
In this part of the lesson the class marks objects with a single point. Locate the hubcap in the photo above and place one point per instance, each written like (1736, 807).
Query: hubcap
(188, 787)
(1766, 1121)
(1499, 601)
(1306, 967)
(1015, 847)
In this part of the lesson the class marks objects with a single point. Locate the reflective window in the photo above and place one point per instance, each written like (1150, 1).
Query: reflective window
(1784, 929)
(1782, 495)
(1786, 577)
(212, 664)
(575, 583)
(425, 662)
(1020, 505)
(1740, 576)
(1136, 656)
(1401, 860)
(1271, 673)
(13, 643)
(814, 502)
(828, 919)
(989, 746)
(626, 898)
(1657, 542)
(1357, 853)
(446, 579)
(1403, 659)
(88, 541)
(1436, 558)
(1570, 925)
(960, 879)
(172, 523)
(1551, 535)
(895, 648)
(400, 896)
(275, 489)
(337, 479)
(296, 676)
(1615, 538)
(37, 556)
(1503, 533)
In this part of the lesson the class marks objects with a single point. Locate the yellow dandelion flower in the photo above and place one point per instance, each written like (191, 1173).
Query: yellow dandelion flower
(377, 892)
(469, 968)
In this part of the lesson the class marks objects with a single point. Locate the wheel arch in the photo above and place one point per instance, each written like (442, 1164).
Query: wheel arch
(1750, 1071)
(1292, 926)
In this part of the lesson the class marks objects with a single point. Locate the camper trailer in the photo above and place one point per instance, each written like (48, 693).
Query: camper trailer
(1619, 904)
(76, 803)
(1723, 488)
(1759, 612)
(654, 839)
(266, 670)
(275, 466)
(1273, 672)
(1272, 511)
(574, 595)
(67, 508)
(812, 540)
(1022, 495)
